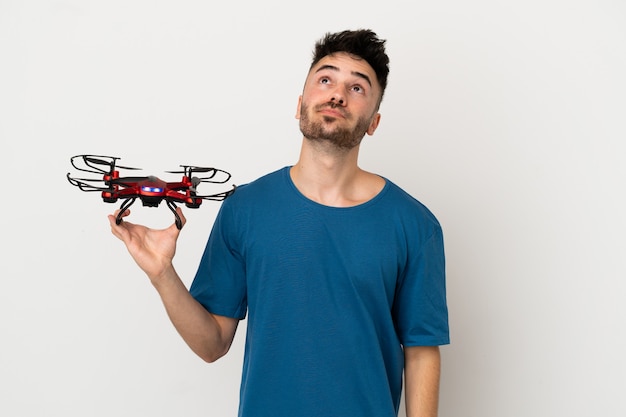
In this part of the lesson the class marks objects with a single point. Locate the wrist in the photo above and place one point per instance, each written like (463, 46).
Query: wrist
(165, 277)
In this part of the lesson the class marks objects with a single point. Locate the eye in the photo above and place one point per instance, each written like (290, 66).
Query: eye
(324, 80)
(358, 89)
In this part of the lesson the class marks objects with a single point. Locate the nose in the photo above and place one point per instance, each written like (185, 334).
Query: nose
(337, 97)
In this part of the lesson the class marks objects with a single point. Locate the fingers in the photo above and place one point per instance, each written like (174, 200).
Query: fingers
(116, 222)
(120, 216)
(179, 219)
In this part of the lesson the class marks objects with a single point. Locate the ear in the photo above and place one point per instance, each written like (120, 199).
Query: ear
(373, 124)
(299, 107)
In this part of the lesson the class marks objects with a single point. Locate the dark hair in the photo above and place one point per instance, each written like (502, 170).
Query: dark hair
(362, 43)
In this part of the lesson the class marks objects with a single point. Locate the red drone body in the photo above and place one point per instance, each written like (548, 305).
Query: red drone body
(149, 189)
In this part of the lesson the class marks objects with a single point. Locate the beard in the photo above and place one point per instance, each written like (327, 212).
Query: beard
(325, 131)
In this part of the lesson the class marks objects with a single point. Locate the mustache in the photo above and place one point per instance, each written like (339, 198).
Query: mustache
(334, 106)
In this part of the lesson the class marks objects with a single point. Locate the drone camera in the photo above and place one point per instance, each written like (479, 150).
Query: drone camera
(151, 201)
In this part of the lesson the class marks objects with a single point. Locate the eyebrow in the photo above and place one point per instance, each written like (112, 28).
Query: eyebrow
(355, 73)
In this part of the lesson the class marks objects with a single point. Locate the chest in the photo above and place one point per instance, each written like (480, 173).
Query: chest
(306, 255)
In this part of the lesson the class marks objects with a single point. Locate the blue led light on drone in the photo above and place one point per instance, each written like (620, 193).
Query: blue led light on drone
(151, 189)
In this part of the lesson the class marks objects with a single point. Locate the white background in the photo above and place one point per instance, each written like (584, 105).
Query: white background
(506, 118)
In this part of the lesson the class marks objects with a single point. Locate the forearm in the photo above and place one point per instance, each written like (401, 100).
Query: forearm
(209, 336)
(422, 374)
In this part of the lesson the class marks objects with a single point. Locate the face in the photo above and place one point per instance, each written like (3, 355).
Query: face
(339, 103)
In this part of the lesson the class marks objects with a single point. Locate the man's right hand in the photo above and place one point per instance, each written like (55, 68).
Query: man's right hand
(153, 250)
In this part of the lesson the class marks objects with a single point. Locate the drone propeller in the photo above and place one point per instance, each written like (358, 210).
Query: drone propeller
(93, 163)
(95, 160)
(91, 159)
(203, 169)
(87, 184)
(189, 170)
(124, 180)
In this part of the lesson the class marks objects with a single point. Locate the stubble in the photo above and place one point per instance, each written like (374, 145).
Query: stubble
(325, 130)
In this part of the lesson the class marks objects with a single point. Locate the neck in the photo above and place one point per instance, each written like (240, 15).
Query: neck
(332, 177)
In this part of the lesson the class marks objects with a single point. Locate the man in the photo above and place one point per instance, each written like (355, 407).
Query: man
(340, 272)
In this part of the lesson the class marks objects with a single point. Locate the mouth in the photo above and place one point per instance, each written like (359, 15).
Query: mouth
(332, 111)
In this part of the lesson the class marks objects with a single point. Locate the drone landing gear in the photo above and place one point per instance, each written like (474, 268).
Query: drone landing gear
(126, 204)
(172, 206)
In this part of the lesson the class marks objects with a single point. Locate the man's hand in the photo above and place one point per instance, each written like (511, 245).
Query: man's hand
(208, 335)
(153, 250)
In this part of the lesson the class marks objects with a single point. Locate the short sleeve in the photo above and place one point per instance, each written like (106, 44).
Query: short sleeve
(220, 281)
(420, 306)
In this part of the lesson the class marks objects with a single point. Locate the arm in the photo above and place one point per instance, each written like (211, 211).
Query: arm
(421, 372)
(208, 335)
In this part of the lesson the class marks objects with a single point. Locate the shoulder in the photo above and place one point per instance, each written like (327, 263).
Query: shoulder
(259, 188)
(405, 203)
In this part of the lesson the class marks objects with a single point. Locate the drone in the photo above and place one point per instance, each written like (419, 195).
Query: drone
(149, 189)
